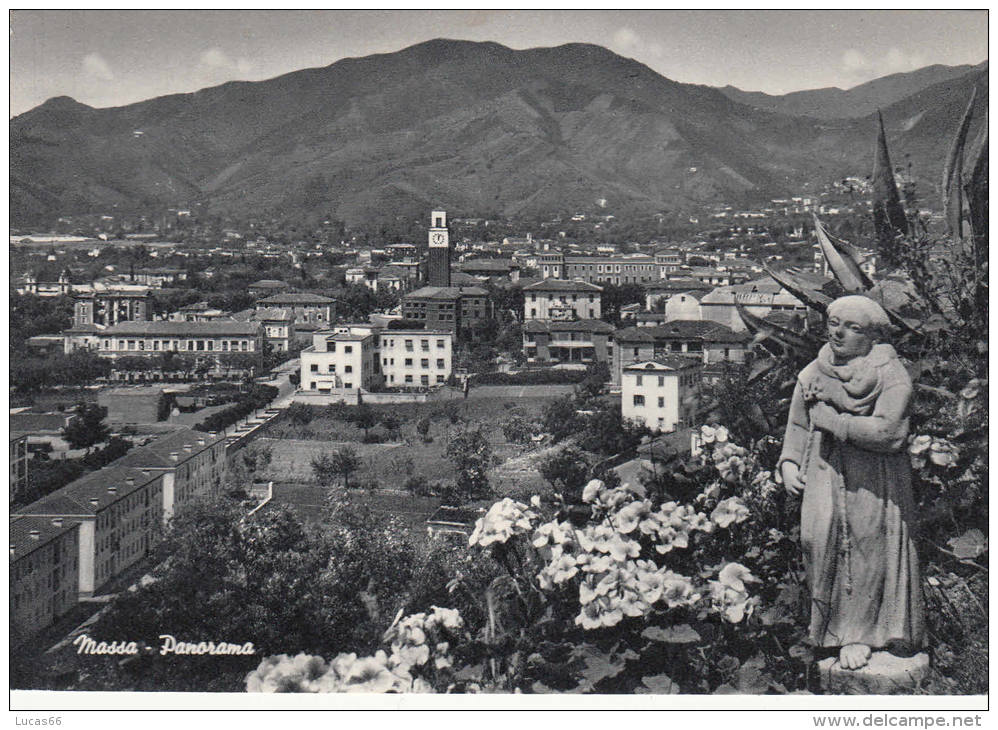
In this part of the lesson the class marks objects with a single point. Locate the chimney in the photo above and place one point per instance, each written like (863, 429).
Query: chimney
(12, 550)
(130, 481)
(174, 456)
(95, 502)
(35, 535)
(201, 442)
(57, 522)
(146, 472)
(213, 434)
(112, 490)
(188, 448)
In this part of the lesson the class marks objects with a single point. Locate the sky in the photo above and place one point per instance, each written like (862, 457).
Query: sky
(115, 57)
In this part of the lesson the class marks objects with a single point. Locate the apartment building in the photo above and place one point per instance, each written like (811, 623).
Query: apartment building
(661, 393)
(705, 341)
(120, 511)
(570, 341)
(416, 358)
(561, 299)
(192, 464)
(305, 307)
(153, 338)
(44, 572)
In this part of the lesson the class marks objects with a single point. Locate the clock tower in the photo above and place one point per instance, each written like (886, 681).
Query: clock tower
(438, 266)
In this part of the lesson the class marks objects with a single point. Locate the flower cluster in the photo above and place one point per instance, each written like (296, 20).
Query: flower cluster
(628, 588)
(728, 593)
(729, 510)
(503, 520)
(732, 462)
(713, 434)
(937, 450)
(344, 673)
(414, 641)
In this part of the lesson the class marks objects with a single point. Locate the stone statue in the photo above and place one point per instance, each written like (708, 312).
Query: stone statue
(845, 447)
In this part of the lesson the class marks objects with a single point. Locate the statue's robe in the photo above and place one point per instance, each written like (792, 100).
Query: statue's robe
(858, 509)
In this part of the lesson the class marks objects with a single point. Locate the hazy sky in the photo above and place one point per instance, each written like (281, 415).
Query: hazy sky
(115, 57)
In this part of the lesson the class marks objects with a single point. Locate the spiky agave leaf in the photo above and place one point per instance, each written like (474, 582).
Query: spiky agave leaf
(976, 188)
(953, 174)
(776, 339)
(761, 367)
(843, 260)
(809, 295)
(888, 214)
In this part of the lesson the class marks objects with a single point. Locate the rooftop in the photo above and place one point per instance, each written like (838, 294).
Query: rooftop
(91, 493)
(563, 285)
(682, 329)
(22, 542)
(181, 329)
(156, 454)
(576, 325)
(665, 362)
(296, 298)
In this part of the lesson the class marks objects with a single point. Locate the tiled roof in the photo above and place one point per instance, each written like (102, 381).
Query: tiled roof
(296, 298)
(681, 329)
(34, 422)
(563, 285)
(273, 314)
(577, 325)
(156, 454)
(21, 540)
(181, 329)
(75, 498)
(268, 284)
(435, 292)
(672, 362)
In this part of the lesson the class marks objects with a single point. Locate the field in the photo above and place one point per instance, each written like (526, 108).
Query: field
(385, 467)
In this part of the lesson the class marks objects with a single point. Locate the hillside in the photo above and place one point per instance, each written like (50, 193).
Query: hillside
(476, 126)
(859, 101)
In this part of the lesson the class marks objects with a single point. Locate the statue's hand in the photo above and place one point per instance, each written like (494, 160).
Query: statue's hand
(824, 417)
(813, 391)
(793, 481)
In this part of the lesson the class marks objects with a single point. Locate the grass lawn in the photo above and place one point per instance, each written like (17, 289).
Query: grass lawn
(309, 501)
(388, 465)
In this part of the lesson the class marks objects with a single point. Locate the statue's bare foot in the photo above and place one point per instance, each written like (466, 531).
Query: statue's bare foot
(854, 656)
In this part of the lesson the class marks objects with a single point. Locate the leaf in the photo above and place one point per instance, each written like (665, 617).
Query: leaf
(969, 545)
(953, 173)
(597, 665)
(751, 677)
(681, 634)
(658, 684)
(726, 689)
(976, 188)
(812, 297)
(888, 215)
(843, 260)
(761, 367)
(778, 340)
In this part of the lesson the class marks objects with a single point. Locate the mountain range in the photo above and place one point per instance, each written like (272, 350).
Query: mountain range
(477, 128)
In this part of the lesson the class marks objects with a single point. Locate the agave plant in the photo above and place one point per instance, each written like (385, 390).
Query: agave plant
(916, 317)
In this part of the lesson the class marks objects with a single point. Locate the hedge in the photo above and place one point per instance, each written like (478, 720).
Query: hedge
(259, 396)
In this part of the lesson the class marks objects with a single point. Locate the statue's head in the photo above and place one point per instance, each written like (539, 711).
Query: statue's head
(855, 324)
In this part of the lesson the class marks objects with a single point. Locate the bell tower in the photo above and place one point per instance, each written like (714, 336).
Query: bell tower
(438, 265)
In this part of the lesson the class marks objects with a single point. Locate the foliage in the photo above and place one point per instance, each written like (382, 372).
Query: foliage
(116, 448)
(605, 431)
(567, 471)
(263, 579)
(46, 476)
(635, 593)
(341, 463)
(246, 462)
(546, 376)
(257, 397)
(559, 418)
(31, 375)
(471, 454)
(518, 429)
(87, 428)
(423, 426)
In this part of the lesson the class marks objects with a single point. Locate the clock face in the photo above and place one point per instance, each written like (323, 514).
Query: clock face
(438, 239)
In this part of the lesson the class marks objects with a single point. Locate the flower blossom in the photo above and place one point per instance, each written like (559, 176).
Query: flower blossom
(503, 520)
(729, 510)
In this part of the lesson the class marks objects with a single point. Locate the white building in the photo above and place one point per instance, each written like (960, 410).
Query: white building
(661, 393)
(354, 357)
(416, 358)
(558, 299)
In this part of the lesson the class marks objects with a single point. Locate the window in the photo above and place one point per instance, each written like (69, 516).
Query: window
(348, 368)
(661, 402)
(313, 385)
(635, 352)
(661, 380)
(332, 367)
(408, 378)
(201, 345)
(424, 363)
(533, 312)
(440, 378)
(424, 379)
(131, 344)
(408, 362)
(408, 345)
(424, 344)
(332, 347)
(638, 380)
(211, 344)
(314, 367)
(347, 348)
(347, 385)
(245, 346)
(440, 344)
(639, 401)
(440, 363)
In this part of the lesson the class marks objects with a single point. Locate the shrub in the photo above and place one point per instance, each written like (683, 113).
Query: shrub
(546, 376)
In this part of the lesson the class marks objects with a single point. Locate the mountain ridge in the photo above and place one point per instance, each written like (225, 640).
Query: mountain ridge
(489, 128)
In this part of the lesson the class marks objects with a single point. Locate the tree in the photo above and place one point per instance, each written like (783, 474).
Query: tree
(341, 463)
(470, 452)
(423, 427)
(299, 414)
(365, 418)
(87, 428)
(607, 432)
(559, 418)
(567, 471)
(391, 422)
(517, 429)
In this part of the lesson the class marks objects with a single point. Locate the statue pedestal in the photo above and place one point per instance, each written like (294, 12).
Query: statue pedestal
(885, 674)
